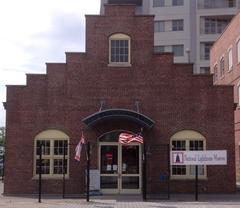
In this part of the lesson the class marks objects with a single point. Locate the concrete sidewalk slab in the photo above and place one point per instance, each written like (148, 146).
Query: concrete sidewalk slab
(123, 201)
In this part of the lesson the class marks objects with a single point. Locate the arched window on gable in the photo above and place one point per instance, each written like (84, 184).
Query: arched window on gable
(119, 50)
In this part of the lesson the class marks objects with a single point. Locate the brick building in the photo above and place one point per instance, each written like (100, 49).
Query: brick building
(225, 59)
(118, 85)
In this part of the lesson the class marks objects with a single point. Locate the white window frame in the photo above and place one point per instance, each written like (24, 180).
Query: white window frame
(230, 59)
(238, 51)
(50, 135)
(187, 136)
(238, 93)
(222, 67)
(215, 73)
(120, 36)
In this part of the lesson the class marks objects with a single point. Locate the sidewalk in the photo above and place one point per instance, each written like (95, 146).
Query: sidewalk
(124, 201)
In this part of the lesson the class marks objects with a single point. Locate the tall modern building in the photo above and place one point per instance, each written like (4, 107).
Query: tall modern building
(188, 28)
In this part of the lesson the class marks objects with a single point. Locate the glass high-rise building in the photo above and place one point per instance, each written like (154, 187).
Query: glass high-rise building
(188, 28)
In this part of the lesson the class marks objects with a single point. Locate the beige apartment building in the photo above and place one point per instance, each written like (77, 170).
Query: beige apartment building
(188, 28)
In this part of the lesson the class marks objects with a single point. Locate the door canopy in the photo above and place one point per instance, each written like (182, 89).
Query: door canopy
(124, 114)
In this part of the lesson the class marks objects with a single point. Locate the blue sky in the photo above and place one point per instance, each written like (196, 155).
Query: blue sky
(36, 32)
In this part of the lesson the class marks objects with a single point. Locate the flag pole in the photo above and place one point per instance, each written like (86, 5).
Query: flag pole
(144, 179)
(144, 193)
(169, 170)
(196, 182)
(88, 170)
(64, 167)
(40, 175)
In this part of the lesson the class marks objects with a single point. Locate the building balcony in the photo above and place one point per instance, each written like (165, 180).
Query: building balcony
(137, 2)
(215, 4)
(214, 24)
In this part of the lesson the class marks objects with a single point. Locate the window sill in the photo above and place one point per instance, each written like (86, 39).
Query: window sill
(48, 177)
(119, 65)
(179, 178)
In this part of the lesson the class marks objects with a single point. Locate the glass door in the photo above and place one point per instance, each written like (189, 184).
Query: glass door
(130, 169)
(109, 168)
(120, 168)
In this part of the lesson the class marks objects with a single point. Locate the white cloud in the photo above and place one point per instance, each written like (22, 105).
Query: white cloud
(36, 32)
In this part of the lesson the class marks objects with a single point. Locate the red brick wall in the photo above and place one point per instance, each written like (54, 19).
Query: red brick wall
(168, 93)
(229, 39)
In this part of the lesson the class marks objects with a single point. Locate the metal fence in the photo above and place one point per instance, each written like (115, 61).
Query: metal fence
(157, 171)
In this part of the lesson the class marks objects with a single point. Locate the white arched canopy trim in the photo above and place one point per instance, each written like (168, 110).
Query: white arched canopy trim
(188, 134)
(52, 134)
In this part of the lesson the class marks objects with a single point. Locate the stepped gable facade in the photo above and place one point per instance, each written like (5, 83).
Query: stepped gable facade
(118, 85)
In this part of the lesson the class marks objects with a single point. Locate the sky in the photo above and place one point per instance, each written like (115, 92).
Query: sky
(35, 32)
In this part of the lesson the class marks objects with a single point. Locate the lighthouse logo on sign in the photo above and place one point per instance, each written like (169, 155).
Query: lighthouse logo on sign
(177, 157)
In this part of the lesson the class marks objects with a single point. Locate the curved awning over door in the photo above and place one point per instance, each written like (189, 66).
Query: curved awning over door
(125, 114)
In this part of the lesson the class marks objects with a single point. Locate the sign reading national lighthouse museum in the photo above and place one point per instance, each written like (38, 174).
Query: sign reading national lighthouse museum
(217, 157)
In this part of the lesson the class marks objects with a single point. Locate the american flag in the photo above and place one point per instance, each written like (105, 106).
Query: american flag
(126, 138)
(78, 148)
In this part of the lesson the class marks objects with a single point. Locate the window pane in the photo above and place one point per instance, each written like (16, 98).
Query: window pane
(178, 170)
(109, 182)
(238, 95)
(177, 25)
(200, 169)
(177, 2)
(222, 67)
(45, 166)
(109, 159)
(214, 24)
(59, 147)
(158, 3)
(159, 49)
(205, 50)
(159, 26)
(211, 4)
(119, 50)
(45, 147)
(230, 61)
(196, 145)
(204, 70)
(130, 159)
(178, 145)
(238, 51)
(178, 50)
(59, 167)
(130, 182)
(215, 76)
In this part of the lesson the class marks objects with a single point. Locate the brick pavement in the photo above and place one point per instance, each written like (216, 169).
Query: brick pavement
(177, 201)
(25, 202)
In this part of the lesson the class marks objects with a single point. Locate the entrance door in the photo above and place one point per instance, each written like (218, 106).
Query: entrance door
(120, 168)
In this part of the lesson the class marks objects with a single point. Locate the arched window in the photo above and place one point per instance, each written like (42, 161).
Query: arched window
(53, 143)
(238, 93)
(119, 50)
(187, 140)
